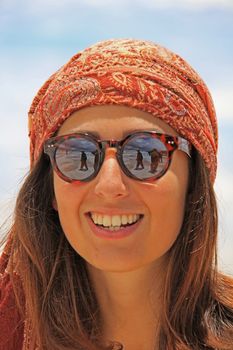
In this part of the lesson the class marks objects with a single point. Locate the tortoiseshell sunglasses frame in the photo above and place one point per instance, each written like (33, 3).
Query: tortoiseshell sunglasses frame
(171, 143)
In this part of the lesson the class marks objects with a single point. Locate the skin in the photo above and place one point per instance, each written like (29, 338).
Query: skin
(127, 274)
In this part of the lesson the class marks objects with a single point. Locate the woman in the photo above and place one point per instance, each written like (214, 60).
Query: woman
(116, 257)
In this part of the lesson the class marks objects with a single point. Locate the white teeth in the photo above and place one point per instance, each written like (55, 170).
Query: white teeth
(111, 228)
(99, 220)
(115, 220)
(106, 220)
(124, 219)
(130, 218)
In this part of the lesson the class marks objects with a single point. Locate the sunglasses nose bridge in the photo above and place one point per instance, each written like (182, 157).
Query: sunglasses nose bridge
(106, 144)
(110, 143)
(111, 149)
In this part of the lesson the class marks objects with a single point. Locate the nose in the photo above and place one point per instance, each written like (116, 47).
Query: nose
(109, 182)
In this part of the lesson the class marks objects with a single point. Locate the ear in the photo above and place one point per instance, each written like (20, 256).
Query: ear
(54, 204)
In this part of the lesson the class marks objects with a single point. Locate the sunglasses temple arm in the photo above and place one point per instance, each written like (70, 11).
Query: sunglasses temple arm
(185, 146)
(48, 149)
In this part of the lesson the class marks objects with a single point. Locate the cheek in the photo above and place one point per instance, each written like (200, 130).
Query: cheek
(67, 195)
(170, 192)
(166, 204)
(170, 204)
(68, 198)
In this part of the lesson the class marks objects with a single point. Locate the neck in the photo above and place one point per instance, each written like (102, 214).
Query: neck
(130, 303)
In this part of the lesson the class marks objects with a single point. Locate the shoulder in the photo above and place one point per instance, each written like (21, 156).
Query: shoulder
(11, 335)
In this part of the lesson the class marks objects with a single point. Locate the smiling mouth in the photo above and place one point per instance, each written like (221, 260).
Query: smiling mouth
(115, 228)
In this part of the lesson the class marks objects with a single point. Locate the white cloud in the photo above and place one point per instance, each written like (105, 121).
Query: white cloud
(222, 97)
(188, 4)
(224, 191)
(43, 6)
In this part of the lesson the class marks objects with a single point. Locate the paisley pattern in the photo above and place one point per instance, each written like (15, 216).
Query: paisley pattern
(134, 73)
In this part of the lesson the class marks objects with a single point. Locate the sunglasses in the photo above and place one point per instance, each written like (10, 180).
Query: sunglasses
(143, 155)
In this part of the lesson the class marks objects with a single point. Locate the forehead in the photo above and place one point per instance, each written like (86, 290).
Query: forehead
(113, 121)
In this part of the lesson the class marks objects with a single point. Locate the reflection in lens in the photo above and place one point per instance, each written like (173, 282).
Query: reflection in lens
(145, 156)
(77, 158)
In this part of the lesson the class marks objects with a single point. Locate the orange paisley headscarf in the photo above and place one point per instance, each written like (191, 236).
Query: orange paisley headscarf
(135, 73)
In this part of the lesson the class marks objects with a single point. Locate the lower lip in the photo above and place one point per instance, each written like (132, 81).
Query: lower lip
(107, 234)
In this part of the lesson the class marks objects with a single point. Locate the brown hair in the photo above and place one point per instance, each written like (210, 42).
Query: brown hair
(197, 308)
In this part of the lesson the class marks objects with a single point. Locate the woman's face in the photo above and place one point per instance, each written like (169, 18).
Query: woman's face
(160, 202)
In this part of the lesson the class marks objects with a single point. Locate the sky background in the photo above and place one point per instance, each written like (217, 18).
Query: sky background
(37, 37)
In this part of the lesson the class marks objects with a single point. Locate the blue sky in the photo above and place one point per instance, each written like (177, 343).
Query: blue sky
(37, 37)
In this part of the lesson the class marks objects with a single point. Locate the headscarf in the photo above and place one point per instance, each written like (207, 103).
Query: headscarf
(134, 73)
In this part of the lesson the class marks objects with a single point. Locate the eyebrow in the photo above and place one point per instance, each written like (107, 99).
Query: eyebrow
(125, 133)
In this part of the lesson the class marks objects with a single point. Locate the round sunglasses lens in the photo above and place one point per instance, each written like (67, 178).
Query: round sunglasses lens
(77, 158)
(145, 156)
